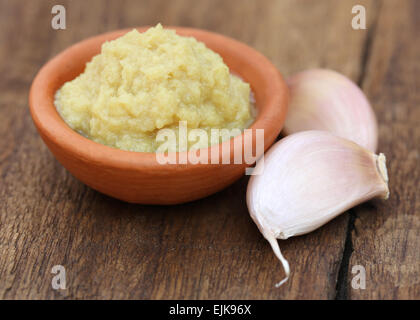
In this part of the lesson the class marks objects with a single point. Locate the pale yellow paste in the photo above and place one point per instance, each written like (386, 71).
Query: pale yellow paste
(143, 82)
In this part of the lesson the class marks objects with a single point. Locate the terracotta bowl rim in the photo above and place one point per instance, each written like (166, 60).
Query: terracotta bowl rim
(53, 129)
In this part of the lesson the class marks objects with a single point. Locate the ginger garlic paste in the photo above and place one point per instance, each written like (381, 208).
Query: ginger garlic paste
(143, 82)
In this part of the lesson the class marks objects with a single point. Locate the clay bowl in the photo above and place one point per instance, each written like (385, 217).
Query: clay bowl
(138, 177)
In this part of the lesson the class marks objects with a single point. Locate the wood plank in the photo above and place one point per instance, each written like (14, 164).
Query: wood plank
(206, 249)
(386, 234)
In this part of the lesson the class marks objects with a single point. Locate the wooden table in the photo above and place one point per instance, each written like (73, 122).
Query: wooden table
(210, 249)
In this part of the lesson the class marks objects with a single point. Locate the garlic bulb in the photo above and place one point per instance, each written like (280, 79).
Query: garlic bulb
(307, 179)
(326, 100)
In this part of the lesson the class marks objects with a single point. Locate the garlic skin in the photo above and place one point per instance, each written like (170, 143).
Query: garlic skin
(322, 99)
(308, 179)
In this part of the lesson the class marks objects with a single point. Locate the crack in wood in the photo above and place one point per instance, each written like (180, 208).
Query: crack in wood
(342, 278)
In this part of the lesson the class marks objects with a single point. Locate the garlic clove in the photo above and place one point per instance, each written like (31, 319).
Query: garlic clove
(307, 179)
(323, 99)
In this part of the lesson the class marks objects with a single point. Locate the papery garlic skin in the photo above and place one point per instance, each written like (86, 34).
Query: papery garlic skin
(322, 99)
(308, 179)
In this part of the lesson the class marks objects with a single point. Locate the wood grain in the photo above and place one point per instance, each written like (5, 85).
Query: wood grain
(208, 249)
(386, 234)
